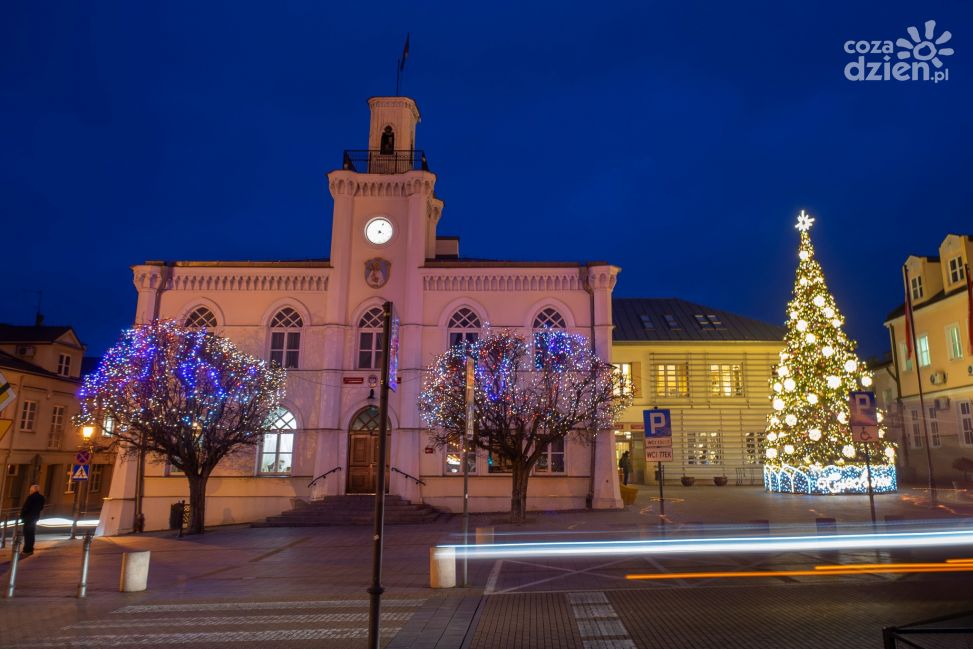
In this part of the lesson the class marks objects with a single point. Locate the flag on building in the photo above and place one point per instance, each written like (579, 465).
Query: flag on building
(405, 53)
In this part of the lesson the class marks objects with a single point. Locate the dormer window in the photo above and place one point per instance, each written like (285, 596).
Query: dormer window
(64, 365)
(957, 273)
(916, 283)
(647, 323)
(671, 321)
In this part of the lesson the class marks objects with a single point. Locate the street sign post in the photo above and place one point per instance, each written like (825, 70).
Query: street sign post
(464, 460)
(658, 448)
(83, 456)
(79, 472)
(864, 429)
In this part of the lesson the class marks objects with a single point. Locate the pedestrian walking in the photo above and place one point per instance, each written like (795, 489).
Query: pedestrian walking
(30, 513)
(625, 464)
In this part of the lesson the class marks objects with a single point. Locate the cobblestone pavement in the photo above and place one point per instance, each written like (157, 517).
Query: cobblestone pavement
(305, 587)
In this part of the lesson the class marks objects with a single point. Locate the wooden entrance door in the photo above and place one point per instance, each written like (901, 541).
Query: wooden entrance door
(363, 465)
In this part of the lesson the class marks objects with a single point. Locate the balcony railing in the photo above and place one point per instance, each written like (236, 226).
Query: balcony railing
(375, 162)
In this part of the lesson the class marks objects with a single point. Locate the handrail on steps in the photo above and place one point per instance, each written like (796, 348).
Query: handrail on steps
(410, 477)
(323, 475)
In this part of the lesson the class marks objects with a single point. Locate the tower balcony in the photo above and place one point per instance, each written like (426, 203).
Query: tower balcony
(374, 161)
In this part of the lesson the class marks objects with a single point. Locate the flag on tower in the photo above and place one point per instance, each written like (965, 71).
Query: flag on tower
(405, 53)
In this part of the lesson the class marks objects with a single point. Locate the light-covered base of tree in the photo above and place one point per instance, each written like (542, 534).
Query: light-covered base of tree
(829, 480)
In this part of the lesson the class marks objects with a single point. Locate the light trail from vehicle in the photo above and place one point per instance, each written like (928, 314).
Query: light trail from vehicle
(727, 545)
(950, 565)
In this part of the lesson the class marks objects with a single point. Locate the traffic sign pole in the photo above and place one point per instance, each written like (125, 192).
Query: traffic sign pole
(871, 491)
(662, 497)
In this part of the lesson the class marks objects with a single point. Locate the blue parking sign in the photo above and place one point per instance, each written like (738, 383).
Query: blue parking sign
(658, 435)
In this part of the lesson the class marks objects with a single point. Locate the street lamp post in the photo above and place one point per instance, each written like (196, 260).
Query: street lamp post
(87, 432)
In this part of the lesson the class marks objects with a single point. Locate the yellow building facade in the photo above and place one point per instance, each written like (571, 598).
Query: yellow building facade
(711, 369)
(940, 424)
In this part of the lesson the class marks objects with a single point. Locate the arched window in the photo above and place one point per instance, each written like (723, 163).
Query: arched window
(201, 317)
(387, 144)
(285, 337)
(549, 318)
(370, 339)
(463, 327)
(278, 446)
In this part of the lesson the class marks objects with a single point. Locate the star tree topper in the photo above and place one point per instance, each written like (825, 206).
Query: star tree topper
(804, 221)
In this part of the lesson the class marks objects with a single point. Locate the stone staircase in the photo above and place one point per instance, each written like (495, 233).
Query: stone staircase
(352, 510)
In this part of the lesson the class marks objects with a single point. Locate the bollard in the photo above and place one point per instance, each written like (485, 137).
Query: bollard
(85, 553)
(14, 560)
(135, 571)
(442, 567)
(484, 536)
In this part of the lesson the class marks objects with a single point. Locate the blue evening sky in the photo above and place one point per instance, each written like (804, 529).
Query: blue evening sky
(677, 140)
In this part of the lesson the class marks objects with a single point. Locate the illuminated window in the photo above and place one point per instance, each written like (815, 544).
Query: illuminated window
(672, 380)
(28, 415)
(64, 365)
(726, 380)
(285, 338)
(552, 460)
(916, 287)
(923, 351)
(966, 421)
(201, 318)
(454, 450)
(496, 463)
(625, 385)
(463, 327)
(108, 426)
(956, 271)
(278, 445)
(95, 479)
(57, 428)
(953, 342)
(754, 448)
(370, 339)
(704, 448)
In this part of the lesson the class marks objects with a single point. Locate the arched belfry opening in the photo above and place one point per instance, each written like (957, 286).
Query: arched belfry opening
(363, 464)
(387, 145)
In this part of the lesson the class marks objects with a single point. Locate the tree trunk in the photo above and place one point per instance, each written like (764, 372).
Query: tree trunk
(518, 492)
(197, 502)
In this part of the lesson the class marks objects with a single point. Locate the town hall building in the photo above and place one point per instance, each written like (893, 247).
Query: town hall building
(322, 320)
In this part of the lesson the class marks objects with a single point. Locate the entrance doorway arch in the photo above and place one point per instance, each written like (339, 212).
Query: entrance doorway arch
(363, 464)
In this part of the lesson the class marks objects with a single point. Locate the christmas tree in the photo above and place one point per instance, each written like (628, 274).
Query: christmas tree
(810, 448)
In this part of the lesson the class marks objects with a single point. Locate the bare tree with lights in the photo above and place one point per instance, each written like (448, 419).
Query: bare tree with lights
(190, 397)
(528, 394)
(810, 448)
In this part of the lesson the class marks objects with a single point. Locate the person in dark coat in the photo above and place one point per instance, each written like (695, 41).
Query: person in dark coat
(625, 464)
(30, 513)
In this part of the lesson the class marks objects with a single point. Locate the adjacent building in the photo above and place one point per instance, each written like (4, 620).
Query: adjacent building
(934, 380)
(42, 364)
(711, 369)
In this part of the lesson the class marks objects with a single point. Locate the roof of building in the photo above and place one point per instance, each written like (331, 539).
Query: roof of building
(11, 362)
(899, 311)
(10, 333)
(638, 319)
(245, 263)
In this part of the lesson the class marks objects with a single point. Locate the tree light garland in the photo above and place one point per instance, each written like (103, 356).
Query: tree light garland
(810, 385)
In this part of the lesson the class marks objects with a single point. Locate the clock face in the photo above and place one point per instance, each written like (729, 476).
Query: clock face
(379, 230)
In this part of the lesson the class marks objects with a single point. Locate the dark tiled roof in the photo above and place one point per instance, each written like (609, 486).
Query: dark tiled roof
(675, 319)
(30, 333)
(281, 263)
(8, 361)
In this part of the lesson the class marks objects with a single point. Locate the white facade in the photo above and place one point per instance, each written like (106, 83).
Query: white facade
(318, 317)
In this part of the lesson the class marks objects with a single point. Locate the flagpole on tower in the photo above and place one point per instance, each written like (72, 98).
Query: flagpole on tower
(400, 65)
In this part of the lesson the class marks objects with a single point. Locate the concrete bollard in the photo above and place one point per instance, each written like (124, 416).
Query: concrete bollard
(442, 567)
(135, 571)
(484, 536)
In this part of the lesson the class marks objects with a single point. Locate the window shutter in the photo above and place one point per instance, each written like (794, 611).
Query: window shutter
(637, 380)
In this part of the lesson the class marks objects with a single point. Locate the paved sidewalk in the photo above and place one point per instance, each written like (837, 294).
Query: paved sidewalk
(301, 587)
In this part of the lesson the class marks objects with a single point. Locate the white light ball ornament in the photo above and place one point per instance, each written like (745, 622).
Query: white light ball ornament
(788, 448)
(789, 384)
(836, 322)
(790, 420)
(804, 281)
(810, 339)
(890, 453)
(812, 398)
(827, 351)
(802, 325)
(848, 450)
(818, 300)
(771, 453)
(814, 434)
(778, 404)
(851, 365)
(778, 387)
(866, 381)
(834, 382)
(828, 312)
(804, 255)
(842, 418)
(782, 371)
(771, 437)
